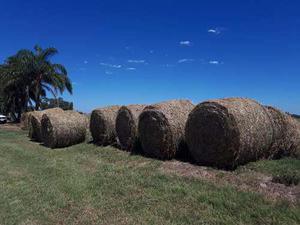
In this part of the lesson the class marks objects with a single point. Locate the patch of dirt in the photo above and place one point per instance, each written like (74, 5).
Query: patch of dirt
(247, 180)
(75, 214)
(87, 215)
(10, 126)
(30, 222)
(90, 166)
(15, 173)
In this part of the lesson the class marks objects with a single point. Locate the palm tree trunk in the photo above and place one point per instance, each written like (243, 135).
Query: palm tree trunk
(38, 103)
(38, 99)
(27, 99)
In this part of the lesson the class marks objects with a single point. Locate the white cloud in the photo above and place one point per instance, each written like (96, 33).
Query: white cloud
(185, 43)
(111, 65)
(185, 60)
(136, 61)
(131, 68)
(214, 62)
(108, 72)
(168, 65)
(85, 62)
(214, 31)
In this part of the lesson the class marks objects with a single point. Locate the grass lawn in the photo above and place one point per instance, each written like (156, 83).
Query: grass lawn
(86, 184)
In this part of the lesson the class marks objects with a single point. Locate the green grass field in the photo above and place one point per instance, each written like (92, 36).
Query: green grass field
(86, 184)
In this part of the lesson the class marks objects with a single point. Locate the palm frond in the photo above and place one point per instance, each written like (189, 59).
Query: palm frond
(45, 54)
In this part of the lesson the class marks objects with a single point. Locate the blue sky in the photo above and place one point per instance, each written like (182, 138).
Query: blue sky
(122, 52)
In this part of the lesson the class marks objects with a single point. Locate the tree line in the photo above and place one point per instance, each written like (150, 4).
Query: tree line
(27, 77)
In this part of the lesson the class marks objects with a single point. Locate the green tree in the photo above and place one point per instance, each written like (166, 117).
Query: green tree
(48, 103)
(28, 75)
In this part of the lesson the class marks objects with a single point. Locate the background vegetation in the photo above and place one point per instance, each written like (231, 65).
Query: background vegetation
(27, 77)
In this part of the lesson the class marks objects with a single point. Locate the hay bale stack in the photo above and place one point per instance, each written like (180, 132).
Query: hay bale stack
(228, 132)
(103, 125)
(35, 129)
(161, 128)
(63, 129)
(25, 120)
(127, 125)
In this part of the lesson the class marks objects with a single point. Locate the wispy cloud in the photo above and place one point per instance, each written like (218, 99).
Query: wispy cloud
(131, 68)
(168, 65)
(116, 66)
(108, 72)
(185, 43)
(214, 30)
(136, 61)
(85, 62)
(185, 60)
(214, 62)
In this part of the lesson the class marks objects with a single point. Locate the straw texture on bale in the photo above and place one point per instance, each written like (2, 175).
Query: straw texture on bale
(285, 134)
(296, 150)
(228, 132)
(103, 125)
(161, 128)
(25, 120)
(127, 125)
(35, 129)
(63, 129)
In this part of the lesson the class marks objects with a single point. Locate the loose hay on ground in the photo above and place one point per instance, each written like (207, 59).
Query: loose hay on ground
(127, 126)
(228, 132)
(103, 125)
(63, 129)
(161, 128)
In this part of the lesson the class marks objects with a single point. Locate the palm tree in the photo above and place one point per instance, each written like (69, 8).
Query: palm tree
(28, 75)
(47, 76)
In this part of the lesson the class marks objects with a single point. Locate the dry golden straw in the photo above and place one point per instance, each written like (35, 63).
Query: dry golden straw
(285, 134)
(103, 125)
(35, 129)
(25, 120)
(229, 132)
(127, 124)
(63, 129)
(161, 128)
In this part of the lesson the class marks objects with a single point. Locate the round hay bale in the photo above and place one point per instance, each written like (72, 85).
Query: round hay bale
(25, 120)
(293, 138)
(161, 128)
(63, 129)
(35, 126)
(228, 132)
(296, 150)
(284, 134)
(103, 125)
(35, 129)
(127, 124)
